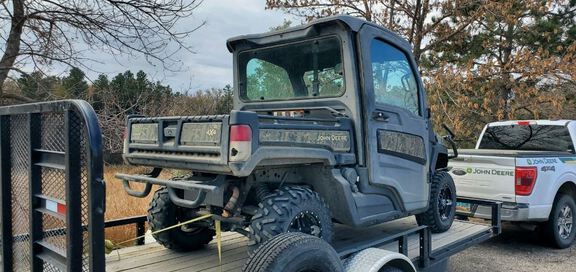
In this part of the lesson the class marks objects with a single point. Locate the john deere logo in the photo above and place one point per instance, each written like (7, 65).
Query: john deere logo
(459, 172)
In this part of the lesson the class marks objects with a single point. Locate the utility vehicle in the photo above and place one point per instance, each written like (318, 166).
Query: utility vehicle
(330, 125)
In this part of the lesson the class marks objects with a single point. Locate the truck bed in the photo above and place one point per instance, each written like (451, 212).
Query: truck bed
(514, 153)
(153, 257)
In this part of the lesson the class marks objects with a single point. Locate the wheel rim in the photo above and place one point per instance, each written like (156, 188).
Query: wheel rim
(565, 219)
(306, 222)
(190, 230)
(445, 203)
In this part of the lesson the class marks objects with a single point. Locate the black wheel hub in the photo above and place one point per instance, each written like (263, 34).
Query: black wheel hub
(306, 222)
(445, 203)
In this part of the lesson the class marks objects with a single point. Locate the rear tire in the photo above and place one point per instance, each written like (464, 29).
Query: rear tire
(291, 209)
(294, 252)
(560, 228)
(162, 213)
(442, 206)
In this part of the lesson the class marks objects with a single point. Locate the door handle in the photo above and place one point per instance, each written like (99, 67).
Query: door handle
(380, 116)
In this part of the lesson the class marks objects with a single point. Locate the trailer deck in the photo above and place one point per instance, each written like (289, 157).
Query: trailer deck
(153, 257)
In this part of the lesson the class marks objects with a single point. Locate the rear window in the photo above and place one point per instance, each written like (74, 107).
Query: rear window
(527, 137)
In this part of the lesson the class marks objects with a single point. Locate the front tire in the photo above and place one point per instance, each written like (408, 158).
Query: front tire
(560, 228)
(162, 213)
(291, 209)
(442, 206)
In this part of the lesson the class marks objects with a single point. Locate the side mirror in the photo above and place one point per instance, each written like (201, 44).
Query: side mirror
(428, 113)
(450, 139)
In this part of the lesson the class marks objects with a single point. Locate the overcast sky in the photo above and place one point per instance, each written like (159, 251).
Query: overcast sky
(211, 66)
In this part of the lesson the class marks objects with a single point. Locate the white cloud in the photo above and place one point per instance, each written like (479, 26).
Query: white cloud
(211, 65)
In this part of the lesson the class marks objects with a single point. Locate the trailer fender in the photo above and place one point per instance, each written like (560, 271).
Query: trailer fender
(375, 259)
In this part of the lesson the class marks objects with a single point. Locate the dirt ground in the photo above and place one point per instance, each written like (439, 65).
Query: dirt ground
(515, 250)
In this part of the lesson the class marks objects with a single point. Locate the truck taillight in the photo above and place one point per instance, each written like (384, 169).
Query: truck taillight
(240, 142)
(525, 178)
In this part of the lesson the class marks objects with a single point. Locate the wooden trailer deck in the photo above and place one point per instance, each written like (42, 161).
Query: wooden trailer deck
(153, 257)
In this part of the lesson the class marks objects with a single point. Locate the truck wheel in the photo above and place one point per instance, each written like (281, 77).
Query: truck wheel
(442, 206)
(291, 209)
(559, 228)
(294, 252)
(162, 213)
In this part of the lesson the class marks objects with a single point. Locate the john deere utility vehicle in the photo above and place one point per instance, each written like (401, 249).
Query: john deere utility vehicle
(330, 125)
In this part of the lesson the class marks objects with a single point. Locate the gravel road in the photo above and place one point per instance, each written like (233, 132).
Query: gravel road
(515, 250)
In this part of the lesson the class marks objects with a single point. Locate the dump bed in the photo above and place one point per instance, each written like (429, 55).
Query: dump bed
(208, 143)
(179, 142)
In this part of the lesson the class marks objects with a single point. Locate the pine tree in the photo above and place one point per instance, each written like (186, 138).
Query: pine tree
(75, 85)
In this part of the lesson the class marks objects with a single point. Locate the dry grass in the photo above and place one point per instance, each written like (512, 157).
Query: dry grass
(120, 205)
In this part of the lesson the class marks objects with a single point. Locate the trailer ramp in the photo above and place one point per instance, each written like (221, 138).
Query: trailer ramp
(51, 188)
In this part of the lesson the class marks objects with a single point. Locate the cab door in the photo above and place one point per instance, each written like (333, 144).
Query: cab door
(396, 130)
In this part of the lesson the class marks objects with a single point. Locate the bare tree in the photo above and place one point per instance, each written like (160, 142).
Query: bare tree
(43, 32)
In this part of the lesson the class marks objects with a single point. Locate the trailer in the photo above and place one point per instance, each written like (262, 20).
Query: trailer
(53, 202)
(428, 252)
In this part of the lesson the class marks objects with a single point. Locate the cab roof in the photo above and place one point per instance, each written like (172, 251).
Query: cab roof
(348, 22)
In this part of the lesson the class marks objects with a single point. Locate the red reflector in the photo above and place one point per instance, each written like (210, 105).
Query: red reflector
(61, 208)
(240, 133)
(525, 178)
(53, 206)
(524, 123)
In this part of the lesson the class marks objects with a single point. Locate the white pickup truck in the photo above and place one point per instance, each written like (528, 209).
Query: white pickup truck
(530, 166)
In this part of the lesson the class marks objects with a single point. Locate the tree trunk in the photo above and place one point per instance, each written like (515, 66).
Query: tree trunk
(12, 44)
(506, 91)
(419, 33)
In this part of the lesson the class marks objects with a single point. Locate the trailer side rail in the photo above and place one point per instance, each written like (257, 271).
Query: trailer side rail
(428, 257)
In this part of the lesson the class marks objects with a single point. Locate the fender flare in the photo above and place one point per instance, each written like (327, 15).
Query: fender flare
(374, 259)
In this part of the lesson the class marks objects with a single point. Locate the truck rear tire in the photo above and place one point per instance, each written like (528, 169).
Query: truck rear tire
(560, 228)
(442, 205)
(162, 213)
(291, 209)
(292, 252)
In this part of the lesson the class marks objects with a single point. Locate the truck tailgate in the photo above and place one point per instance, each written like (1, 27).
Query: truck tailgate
(484, 177)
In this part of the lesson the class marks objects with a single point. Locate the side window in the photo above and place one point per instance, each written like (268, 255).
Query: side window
(393, 78)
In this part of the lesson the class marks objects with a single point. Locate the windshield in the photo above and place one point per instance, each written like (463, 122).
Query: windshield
(527, 137)
(300, 70)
